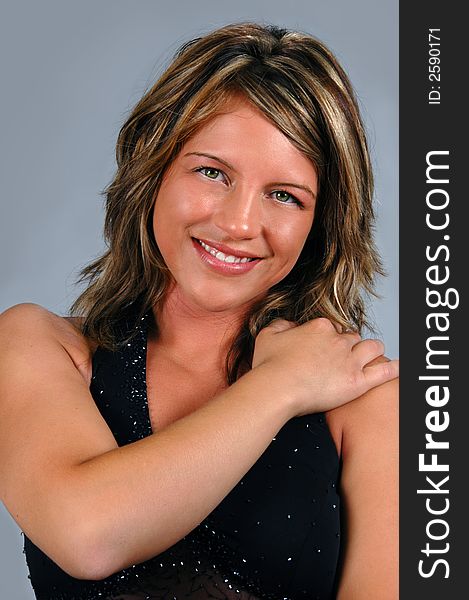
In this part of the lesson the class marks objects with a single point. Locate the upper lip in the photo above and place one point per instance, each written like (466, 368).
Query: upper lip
(227, 250)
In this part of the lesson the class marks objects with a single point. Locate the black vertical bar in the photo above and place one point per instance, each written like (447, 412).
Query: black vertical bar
(433, 256)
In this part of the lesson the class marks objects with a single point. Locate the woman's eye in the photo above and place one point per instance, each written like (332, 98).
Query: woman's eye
(286, 198)
(209, 172)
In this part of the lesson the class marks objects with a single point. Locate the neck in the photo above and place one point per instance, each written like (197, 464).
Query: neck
(195, 336)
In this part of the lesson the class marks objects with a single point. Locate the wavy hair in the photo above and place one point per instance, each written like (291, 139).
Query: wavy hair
(297, 83)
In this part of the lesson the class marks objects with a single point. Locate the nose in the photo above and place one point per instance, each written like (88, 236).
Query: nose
(240, 214)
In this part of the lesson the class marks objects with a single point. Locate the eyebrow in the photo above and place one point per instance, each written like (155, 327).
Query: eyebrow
(305, 188)
(220, 160)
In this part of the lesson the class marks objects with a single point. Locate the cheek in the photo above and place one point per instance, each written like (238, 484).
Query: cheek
(164, 228)
(179, 207)
(168, 216)
(176, 215)
(290, 237)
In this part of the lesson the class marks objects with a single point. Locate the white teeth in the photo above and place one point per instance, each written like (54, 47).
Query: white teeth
(228, 258)
(220, 256)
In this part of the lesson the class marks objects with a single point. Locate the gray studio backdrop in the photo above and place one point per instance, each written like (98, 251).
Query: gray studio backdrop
(71, 70)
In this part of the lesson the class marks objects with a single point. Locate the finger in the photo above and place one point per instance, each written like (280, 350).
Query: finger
(321, 325)
(367, 350)
(381, 372)
(353, 336)
(279, 325)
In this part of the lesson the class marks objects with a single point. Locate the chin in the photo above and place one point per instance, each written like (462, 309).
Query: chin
(218, 305)
(209, 299)
(219, 297)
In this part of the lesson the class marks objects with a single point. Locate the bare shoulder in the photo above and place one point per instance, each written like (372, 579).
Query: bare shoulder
(373, 414)
(29, 317)
(28, 325)
(367, 432)
(49, 421)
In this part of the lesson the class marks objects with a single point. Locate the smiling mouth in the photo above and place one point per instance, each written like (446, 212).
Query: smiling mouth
(221, 256)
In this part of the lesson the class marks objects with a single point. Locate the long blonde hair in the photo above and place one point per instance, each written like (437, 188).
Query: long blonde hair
(298, 84)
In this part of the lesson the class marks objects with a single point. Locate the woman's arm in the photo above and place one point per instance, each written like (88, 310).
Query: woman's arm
(95, 508)
(369, 485)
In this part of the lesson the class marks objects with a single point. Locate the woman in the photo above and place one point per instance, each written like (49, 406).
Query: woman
(168, 441)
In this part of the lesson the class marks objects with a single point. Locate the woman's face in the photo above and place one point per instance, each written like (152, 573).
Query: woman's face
(234, 210)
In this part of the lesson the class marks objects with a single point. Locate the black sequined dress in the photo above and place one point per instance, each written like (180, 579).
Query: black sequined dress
(275, 536)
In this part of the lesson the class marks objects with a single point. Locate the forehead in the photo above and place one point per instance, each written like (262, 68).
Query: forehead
(246, 137)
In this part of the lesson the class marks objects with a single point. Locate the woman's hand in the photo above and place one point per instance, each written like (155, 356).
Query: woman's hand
(321, 368)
